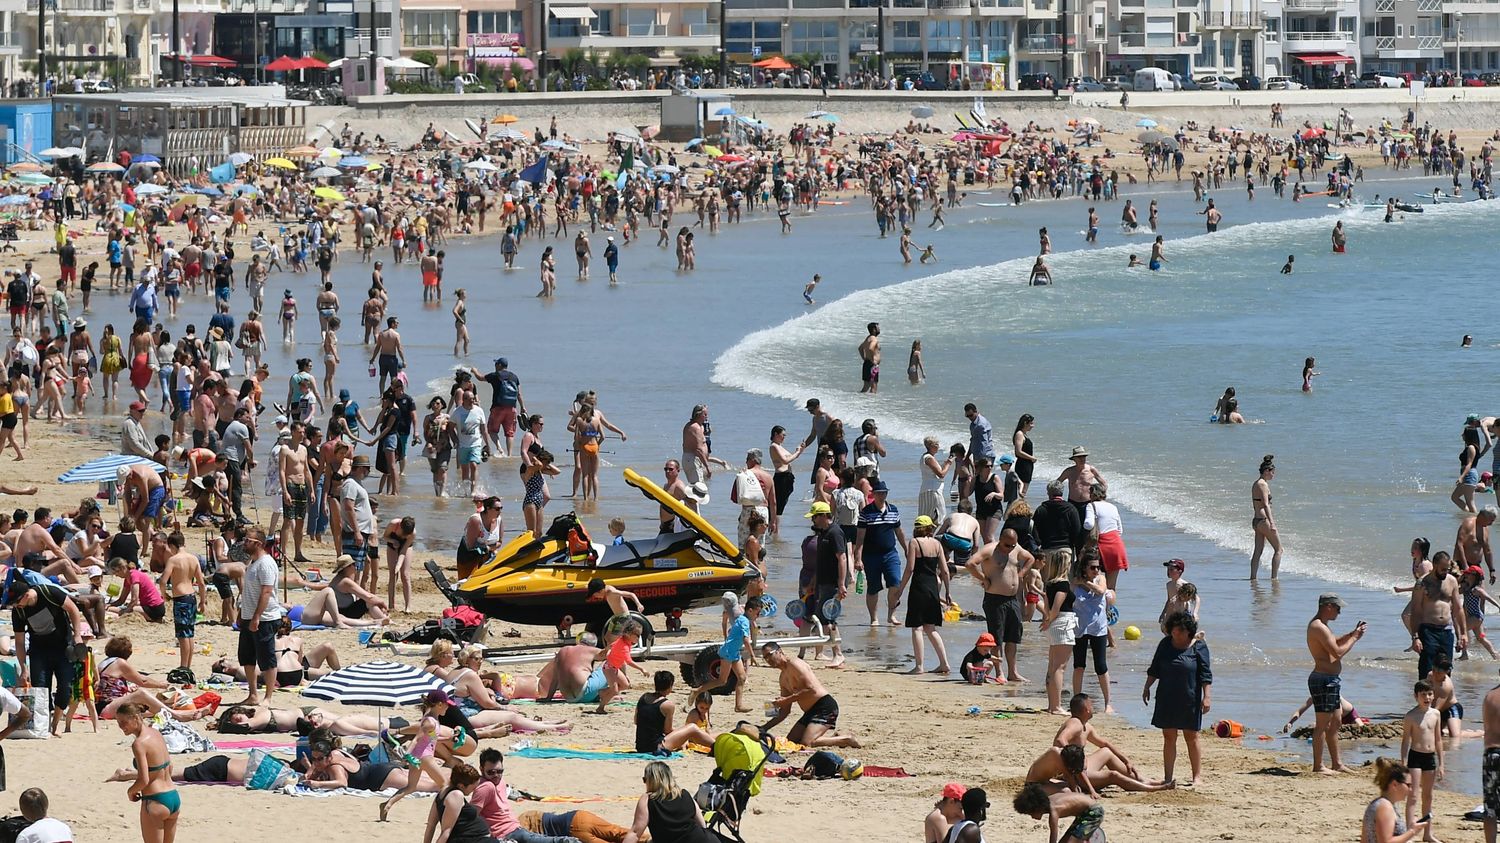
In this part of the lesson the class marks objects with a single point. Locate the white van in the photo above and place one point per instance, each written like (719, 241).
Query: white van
(1154, 79)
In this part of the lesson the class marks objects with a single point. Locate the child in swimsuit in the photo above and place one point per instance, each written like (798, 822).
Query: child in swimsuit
(615, 662)
(421, 757)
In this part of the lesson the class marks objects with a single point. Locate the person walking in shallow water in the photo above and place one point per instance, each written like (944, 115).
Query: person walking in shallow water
(1324, 683)
(1262, 521)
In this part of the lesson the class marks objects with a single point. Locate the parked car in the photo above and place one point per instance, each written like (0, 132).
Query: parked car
(1185, 83)
(98, 86)
(928, 82)
(1491, 78)
(1247, 83)
(1118, 83)
(1283, 83)
(1035, 82)
(1086, 84)
(1217, 83)
(472, 85)
(1474, 80)
(1377, 79)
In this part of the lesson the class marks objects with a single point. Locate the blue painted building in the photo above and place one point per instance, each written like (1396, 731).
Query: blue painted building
(27, 125)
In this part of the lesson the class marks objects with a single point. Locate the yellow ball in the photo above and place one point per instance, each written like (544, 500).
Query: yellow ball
(113, 589)
(1132, 633)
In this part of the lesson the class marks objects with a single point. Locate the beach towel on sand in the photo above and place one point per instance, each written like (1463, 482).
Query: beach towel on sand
(586, 754)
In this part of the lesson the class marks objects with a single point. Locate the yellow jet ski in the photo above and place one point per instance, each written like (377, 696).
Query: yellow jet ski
(540, 579)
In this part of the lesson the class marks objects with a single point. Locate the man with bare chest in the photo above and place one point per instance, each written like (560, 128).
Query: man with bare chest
(1437, 613)
(999, 568)
(294, 486)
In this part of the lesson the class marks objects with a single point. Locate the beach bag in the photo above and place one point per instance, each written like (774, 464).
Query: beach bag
(39, 701)
(747, 489)
(266, 773)
(207, 701)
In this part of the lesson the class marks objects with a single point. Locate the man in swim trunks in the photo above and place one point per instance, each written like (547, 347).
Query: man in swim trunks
(572, 672)
(1491, 774)
(389, 352)
(999, 567)
(1323, 683)
(1473, 542)
(869, 353)
(1437, 613)
(820, 711)
(182, 578)
(144, 495)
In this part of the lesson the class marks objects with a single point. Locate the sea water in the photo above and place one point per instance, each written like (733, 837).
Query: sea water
(1128, 363)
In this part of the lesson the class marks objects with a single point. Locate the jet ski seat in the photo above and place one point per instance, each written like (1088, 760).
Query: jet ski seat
(632, 552)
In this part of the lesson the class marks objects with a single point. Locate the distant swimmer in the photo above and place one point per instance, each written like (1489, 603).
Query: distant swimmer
(1128, 219)
(1046, 241)
(1232, 413)
(1041, 276)
(1221, 407)
(1093, 232)
(1157, 258)
(1250, 186)
(1308, 373)
(1339, 238)
(927, 254)
(1468, 342)
(915, 372)
(906, 245)
(937, 217)
(1151, 215)
(1390, 210)
(1286, 268)
(808, 290)
(1135, 261)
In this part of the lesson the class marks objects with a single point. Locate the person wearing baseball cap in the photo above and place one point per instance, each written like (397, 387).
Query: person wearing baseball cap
(420, 755)
(983, 662)
(878, 545)
(948, 810)
(1324, 683)
(830, 571)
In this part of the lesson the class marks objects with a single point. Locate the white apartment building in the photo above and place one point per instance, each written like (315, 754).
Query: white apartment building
(1233, 42)
(942, 37)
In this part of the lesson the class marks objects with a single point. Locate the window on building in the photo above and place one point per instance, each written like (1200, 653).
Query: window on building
(1427, 26)
(428, 29)
(695, 22)
(491, 23)
(743, 37)
(989, 40)
(640, 21)
(603, 22)
(945, 35)
(906, 36)
(815, 36)
(1347, 25)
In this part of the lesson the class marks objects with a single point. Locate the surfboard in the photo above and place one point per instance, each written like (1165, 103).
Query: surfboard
(994, 204)
(473, 127)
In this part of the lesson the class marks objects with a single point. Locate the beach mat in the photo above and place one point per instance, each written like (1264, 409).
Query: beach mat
(248, 744)
(587, 754)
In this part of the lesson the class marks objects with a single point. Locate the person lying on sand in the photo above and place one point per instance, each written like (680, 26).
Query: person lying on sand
(1101, 769)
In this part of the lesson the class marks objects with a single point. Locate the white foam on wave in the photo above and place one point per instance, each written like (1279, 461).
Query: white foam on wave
(775, 362)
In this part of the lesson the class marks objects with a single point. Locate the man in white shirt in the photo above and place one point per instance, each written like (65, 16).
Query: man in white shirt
(43, 829)
(260, 615)
(359, 520)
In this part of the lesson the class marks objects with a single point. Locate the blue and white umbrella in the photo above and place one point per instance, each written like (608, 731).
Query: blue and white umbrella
(106, 469)
(150, 190)
(726, 111)
(147, 158)
(15, 199)
(1146, 123)
(378, 683)
(354, 162)
(240, 159)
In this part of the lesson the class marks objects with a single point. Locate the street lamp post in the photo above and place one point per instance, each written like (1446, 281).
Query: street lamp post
(1458, 46)
(723, 42)
(261, 27)
(373, 89)
(447, 45)
(176, 44)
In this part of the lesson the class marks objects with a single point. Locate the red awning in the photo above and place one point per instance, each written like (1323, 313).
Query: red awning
(284, 63)
(1324, 58)
(211, 61)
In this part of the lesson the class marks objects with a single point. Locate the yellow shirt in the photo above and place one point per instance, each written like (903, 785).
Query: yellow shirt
(7, 404)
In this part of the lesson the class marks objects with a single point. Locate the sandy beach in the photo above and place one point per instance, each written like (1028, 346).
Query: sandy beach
(920, 725)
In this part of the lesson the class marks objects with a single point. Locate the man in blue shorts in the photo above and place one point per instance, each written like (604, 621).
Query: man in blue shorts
(878, 546)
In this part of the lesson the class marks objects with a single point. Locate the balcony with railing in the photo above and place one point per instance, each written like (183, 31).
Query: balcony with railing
(1148, 42)
(1316, 42)
(700, 30)
(10, 42)
(1316, 5)
(643, 30)
(76, 6)
(1042, 44)
(1473, 35)
(759, 4)
(1235, 20)
(1016, 5)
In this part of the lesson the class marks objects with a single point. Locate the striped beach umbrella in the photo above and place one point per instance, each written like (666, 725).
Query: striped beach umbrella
(105, 469)
(378, 683)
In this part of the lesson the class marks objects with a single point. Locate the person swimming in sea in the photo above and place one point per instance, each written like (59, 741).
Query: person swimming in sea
(1308, 373)
(1157, 256)
(1286, 268)
(1041, 275)
(1135, 261)
(927, 254)
(1468, 342)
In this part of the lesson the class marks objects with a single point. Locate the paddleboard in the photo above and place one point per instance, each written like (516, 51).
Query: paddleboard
(994, 204)
(473, 127)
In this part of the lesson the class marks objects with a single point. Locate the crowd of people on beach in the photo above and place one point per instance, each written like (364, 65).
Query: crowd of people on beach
(198, 418)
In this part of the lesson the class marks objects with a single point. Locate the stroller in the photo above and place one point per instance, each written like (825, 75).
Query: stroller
(738, 763)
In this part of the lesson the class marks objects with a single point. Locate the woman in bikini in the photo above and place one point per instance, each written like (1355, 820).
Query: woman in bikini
(588, 428)
(461, 322)
(1262, 521)
(342, 602)
(330, 354)
(153, 787)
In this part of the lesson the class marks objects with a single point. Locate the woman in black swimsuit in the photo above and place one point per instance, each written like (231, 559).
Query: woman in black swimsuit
(452, 817)
(1025, 462)
(331, 768)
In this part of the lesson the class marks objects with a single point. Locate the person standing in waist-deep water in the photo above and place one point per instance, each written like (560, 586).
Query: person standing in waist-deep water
(869, 354)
